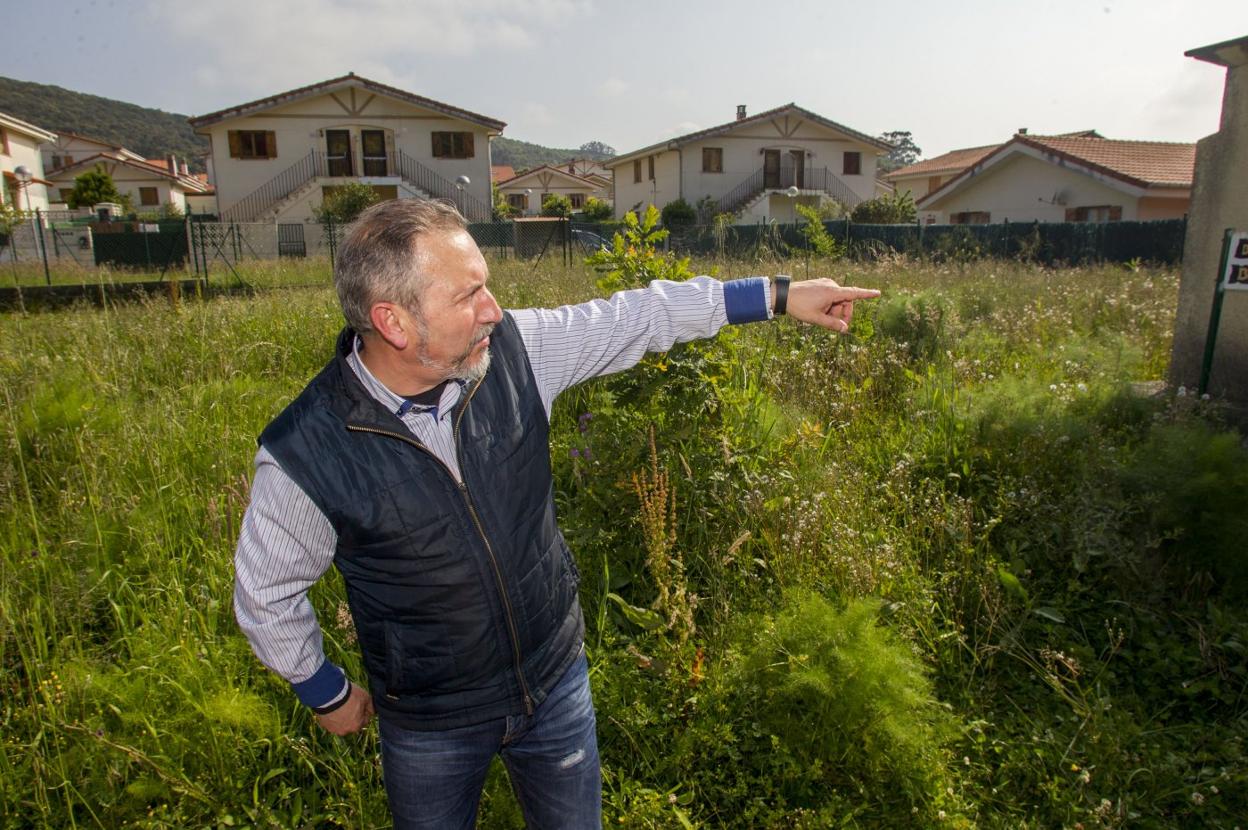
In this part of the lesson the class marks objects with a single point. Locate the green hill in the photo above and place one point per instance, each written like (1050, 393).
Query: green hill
(153, 133)
(156, 133)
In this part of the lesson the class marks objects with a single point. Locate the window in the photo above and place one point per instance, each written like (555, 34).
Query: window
(1094, 213)
(519, 201)
(149, 196)
(637, 171)
(712, 159)
(57, 163)
(852, 165)
(970, 217)
(252, 144)
(650, 168)
(452, 145)
(933, 182)
(577, 200)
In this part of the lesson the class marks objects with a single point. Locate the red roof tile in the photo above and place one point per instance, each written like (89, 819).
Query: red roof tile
(1143, 162)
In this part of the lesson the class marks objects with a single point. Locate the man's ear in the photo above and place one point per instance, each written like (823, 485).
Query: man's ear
(393, 324)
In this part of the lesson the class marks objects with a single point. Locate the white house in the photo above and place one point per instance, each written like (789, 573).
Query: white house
(747, 166)
(19, 147)
(1078, 177)
(276, 158)
(527, 192)
(151, 185)
(66, 149)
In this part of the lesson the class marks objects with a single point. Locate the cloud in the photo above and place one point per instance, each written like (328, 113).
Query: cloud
(613, 87)
(682, 128)
(265, 47)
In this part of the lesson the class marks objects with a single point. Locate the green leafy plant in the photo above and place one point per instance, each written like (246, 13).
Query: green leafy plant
(897, 209)
(633, 259)
(93, 187)
(678, 213)
(597, 210)
(345, 202)
(816, 235)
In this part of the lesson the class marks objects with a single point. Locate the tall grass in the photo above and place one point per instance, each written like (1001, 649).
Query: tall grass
(969, 462)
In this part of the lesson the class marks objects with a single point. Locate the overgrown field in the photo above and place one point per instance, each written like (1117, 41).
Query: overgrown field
(951, 570)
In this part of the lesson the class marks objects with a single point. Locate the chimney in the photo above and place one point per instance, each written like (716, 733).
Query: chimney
(172, 162)
(184, 168)
(1022, 131)
(740, 112)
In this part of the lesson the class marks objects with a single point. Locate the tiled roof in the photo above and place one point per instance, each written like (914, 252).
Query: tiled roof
(501, 172)
(951, 162)
(955, 161)
(558, 171)
(350, 79)
(1156, 163)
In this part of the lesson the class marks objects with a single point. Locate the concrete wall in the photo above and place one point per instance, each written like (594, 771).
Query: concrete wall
(1219, 201)
(300, 127)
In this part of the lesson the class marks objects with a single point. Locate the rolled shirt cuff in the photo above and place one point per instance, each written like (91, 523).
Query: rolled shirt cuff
(326, 686)
(747, 300)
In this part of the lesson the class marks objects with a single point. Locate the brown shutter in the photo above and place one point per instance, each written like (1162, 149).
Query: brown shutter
(438, 152)
(469, 146)
(1072, 214)
(236, 144)
(1115, 213)
(270, 143)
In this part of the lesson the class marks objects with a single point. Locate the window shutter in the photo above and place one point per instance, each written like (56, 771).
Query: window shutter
(270, 144)
(236, 144)
(469, 146)
(1072, 214)
(1115, 213)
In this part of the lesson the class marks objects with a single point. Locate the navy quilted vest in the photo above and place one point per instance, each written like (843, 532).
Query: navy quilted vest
(464, 596)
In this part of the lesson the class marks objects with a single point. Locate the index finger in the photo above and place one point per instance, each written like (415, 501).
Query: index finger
(848, 292)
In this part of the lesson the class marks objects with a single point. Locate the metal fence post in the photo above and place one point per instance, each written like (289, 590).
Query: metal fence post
(43, 245)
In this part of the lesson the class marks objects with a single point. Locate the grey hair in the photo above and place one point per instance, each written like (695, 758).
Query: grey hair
(377, 260)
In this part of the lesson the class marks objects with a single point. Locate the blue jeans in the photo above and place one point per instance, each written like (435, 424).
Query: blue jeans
(434, 779)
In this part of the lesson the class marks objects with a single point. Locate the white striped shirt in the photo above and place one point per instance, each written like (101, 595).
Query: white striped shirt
(287, 544)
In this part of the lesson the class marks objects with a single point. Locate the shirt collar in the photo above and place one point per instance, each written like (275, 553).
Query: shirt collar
(397, 404)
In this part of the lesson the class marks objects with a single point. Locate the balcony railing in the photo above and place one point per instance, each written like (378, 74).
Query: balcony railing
(425, 179)
(316, 164)
(819, 179)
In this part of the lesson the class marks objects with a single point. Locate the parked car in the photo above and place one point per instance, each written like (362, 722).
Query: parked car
(588, 241)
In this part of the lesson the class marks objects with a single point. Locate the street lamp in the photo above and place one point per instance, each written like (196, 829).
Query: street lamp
(792, 193)
(460, 184)
(24, 176)
(528, 191)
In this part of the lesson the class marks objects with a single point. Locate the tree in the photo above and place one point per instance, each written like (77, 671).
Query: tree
(93, 187)
(597, 148)
(342, 204)
(905, 151)
(598, 210)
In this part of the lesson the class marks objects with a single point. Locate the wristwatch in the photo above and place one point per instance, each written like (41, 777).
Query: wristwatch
(779, 293)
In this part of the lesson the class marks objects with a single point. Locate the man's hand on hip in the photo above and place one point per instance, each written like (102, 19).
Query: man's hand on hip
(351, 716)
(825, 303)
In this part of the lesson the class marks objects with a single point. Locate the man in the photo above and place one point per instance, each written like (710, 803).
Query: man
(418, 463)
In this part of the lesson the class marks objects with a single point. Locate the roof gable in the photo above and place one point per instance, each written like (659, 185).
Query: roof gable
(17, 125)
(348, 81)
(189, 182)
(549, 174)
(790, 109)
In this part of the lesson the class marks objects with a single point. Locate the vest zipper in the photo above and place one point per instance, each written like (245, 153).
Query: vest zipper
(476, 520)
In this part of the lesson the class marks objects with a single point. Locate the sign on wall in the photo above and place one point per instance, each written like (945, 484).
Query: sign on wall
(1235, 274)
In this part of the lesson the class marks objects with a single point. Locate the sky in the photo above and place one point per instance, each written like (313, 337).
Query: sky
(634, 72)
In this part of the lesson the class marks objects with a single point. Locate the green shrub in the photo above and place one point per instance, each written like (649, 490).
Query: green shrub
(848, 701)
(817, 236)
(678, 214)
(597, 210)
(556, 205)
(897, 209)
(922, 322)
(342, 203)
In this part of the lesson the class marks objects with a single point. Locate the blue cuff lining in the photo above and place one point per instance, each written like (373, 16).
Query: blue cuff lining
(322, 687)
(746, 300)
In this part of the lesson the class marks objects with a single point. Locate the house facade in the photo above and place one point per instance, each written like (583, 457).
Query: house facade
(1068, 178)
(150, 185)
(67, 149)
(275, 159)
(746, 167)
(526, 192)
(922, 177)
(19, 147)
